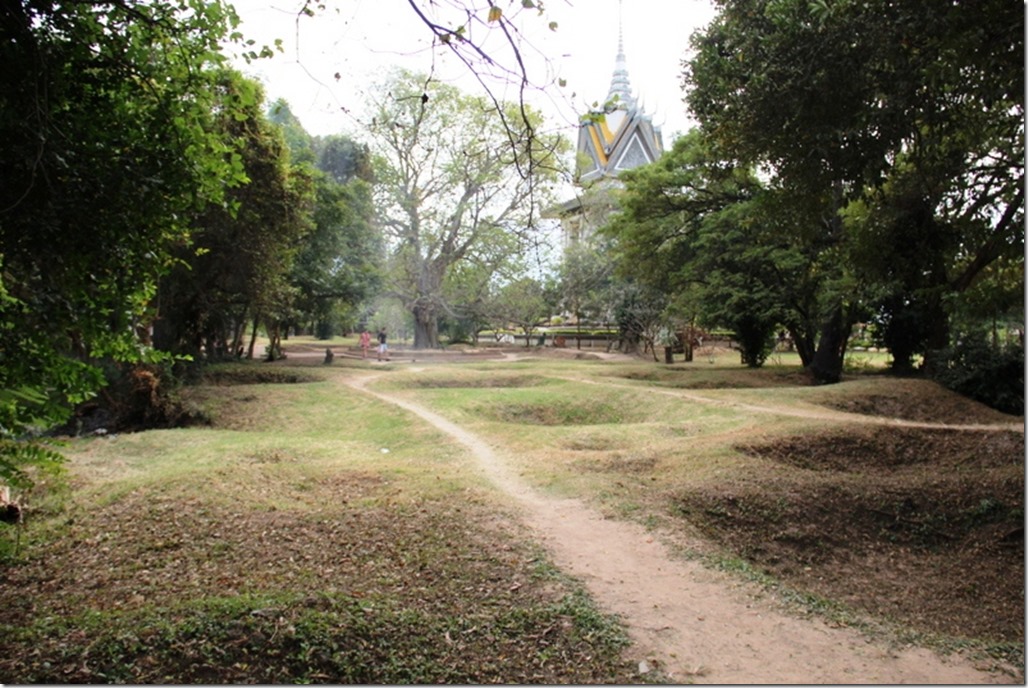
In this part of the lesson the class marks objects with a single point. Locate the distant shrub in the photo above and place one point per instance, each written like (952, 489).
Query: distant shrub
(986, 373)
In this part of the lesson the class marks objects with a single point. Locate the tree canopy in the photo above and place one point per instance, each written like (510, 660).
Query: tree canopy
(447, 192)
(338, 265)
(689, 225)
(906, 120)
(128, 153)
(235, 269)
(106, 151)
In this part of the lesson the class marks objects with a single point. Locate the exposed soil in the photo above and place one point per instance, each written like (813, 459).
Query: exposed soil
(336, 591)
(921, 527)
(908, 513)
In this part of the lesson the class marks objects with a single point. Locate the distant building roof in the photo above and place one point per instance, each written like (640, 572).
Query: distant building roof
(619, 135)
(620, 92)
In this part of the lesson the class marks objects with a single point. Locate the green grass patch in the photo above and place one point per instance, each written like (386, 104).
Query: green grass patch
(316, 533)
(580, 413)
(326, 638)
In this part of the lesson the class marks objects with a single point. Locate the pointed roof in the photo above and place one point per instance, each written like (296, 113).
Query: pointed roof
(618, 136)
(620, 92)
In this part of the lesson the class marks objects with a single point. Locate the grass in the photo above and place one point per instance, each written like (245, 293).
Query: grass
(313, 533)
(284, 544)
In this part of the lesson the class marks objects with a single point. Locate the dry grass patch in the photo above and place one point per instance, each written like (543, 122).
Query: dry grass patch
(916, 527)
(909, 399)
(169, 587)
(464, 381)
(878, 450)
(693, 376)
(592, 441)
(620, 462)
(555, 413)
(251, 373)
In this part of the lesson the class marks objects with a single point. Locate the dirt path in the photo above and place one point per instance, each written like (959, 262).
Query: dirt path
(692, 623)
(812, 414)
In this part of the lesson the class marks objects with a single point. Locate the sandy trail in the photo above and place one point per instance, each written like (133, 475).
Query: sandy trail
(694, 624)
(812, 414)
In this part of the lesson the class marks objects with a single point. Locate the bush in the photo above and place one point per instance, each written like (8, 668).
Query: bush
(137, 396)
(986, 373)
(324, 330)
(756, 339)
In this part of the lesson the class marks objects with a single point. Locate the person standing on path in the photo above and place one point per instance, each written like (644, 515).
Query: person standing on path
(383, 348)
(365, 342)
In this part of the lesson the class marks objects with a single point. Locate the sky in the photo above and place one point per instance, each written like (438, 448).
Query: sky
(330, 61)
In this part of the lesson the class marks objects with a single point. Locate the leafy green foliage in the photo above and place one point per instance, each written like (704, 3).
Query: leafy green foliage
(234, 271)
(105, 152)
(522, 302)
(584, 275)
(637, 310)
(338, 264)
(298, 141)
(989, 374)
(898, 127)
(450, 191)
(23, 459)
(343, 159)
(691, 227)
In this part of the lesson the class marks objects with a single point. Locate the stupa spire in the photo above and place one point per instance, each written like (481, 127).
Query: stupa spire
(620, 88)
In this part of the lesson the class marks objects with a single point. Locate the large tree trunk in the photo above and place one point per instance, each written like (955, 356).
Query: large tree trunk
(426, 326)
(803, 342)
(253, 336)
(938, 335)
(826, 366)
(427, 304)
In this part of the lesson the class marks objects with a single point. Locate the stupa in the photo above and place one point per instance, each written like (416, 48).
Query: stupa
(614, 136)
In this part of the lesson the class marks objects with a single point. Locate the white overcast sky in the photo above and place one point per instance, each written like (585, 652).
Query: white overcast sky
(359, 39)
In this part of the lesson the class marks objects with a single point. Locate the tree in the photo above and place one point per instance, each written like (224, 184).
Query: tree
(457, 28)
(235, 271)
(741, 285)
(691, 226)
(106, 149)
(522, 302)
(338, 264)
(343, 159)
(905, 118)
(298, 141)
(468, 291)
(584, 275)
(637, 310)
(447, 191)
